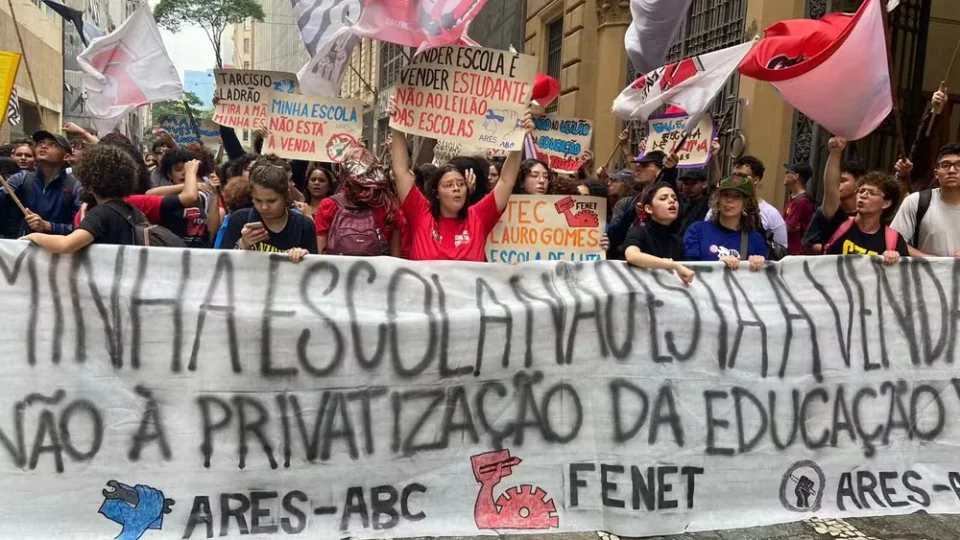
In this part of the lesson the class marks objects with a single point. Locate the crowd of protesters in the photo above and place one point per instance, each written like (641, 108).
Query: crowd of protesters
(66, 193)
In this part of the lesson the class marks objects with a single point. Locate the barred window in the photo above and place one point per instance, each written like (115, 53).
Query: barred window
(392, 60)
(710, 26)
(554, 54)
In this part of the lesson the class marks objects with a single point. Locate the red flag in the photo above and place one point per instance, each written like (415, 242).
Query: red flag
(834, 70)
(417, 23)
(545, 90)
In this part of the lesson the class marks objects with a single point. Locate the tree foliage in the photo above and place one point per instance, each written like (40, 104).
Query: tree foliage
(213, 16)
(166, 108)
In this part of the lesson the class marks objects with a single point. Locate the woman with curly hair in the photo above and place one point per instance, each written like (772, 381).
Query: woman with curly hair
(363, 218)
(109, 173)
(270, 226)
(734, 233)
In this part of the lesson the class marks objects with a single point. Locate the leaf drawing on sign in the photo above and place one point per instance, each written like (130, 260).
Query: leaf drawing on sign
(522, 508)
(137, 508)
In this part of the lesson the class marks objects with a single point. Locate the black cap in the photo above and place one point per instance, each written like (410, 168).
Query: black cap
(622, 176)
(656, 157)
(61, 141)
(803, 169)
(693, 175)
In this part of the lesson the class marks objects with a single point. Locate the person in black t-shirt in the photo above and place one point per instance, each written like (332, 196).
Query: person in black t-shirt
(109, 173)
(878, 196)
(270, 226)
(656, 243)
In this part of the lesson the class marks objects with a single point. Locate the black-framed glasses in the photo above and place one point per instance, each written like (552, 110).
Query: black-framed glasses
(945, 166)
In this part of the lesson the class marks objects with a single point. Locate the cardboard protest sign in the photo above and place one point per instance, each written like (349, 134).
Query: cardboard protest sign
(549, 228)
(312, 128)
(170, 393)
(560, 142)
(243, 95)
(664, 132)
(444, 151)
(178, 126)
(466, 94)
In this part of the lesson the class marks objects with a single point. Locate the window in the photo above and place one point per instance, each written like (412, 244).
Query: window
(554, 54)
(246, 45)
(246, 65)
(246, 24)
(392, 59)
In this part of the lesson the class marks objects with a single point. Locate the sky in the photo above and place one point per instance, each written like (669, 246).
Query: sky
(190, 49)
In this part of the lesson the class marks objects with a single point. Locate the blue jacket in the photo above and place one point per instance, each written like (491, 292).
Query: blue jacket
(57, 202)
(708, 241)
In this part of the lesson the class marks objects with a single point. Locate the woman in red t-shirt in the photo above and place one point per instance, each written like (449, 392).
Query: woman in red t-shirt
(442, 224)
(363, 218)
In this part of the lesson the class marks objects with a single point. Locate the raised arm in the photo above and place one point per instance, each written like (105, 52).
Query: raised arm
(191, 181)
(214, 215)
(400, 158)
(511, 169)
(831, 177)
(74, 129)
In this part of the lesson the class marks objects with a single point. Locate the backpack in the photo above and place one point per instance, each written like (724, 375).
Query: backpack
(891, 236)
(145, 233)
(353, 231)
(926, 197)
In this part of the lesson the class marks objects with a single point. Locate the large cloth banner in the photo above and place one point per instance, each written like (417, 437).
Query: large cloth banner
(312, 128)
(549, 228)
(167, 394)
(664, 132)
(466, 94)
(178, 126)
(561, 142)
(243, 95)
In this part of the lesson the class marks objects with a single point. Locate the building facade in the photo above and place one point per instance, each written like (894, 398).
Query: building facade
(42, 41)
(243, 45)
(277, 45)
(580, 42)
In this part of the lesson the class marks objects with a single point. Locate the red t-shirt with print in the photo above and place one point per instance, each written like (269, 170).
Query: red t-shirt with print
(449, 239)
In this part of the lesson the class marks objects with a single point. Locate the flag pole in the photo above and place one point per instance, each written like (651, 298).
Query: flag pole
(943, 87)
(26, 64)
(901, 147)
(193, 123)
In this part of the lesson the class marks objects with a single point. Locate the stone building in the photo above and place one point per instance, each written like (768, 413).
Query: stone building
(580, 42)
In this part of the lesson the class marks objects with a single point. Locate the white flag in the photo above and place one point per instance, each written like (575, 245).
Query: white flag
(127, 68)
(654, 27)
(690, 84)
(325, 28)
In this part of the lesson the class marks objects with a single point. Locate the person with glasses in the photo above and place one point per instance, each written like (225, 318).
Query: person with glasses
(878, 196)
(930, 220)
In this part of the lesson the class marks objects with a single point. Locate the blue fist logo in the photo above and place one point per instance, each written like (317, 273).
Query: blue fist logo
(136, 508)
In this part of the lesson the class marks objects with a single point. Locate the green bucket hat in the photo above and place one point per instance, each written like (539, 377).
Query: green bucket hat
(736, 182)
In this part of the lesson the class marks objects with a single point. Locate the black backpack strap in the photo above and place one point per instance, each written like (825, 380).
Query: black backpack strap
(744, 245)
(125, 216)
(926, 197)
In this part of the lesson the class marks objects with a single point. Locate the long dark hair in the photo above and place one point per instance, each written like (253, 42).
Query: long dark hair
(433, 192)
(525, 169)
(481, 169)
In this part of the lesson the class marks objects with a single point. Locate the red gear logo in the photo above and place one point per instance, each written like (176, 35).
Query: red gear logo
(675, 74)
(519, 508)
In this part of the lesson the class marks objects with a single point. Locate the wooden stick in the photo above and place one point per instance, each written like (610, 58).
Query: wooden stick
(901, 147)
(13, 196)
(616, 149)
(26, 64)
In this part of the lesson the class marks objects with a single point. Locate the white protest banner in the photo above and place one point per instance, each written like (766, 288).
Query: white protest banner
(243, 95)
(178, 126)
(190, 394)
(466, 94)
(665, 131)
(560, 142)
(549, 228)
(312, 128)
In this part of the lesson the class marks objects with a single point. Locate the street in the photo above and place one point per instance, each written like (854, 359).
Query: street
(920, 526)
